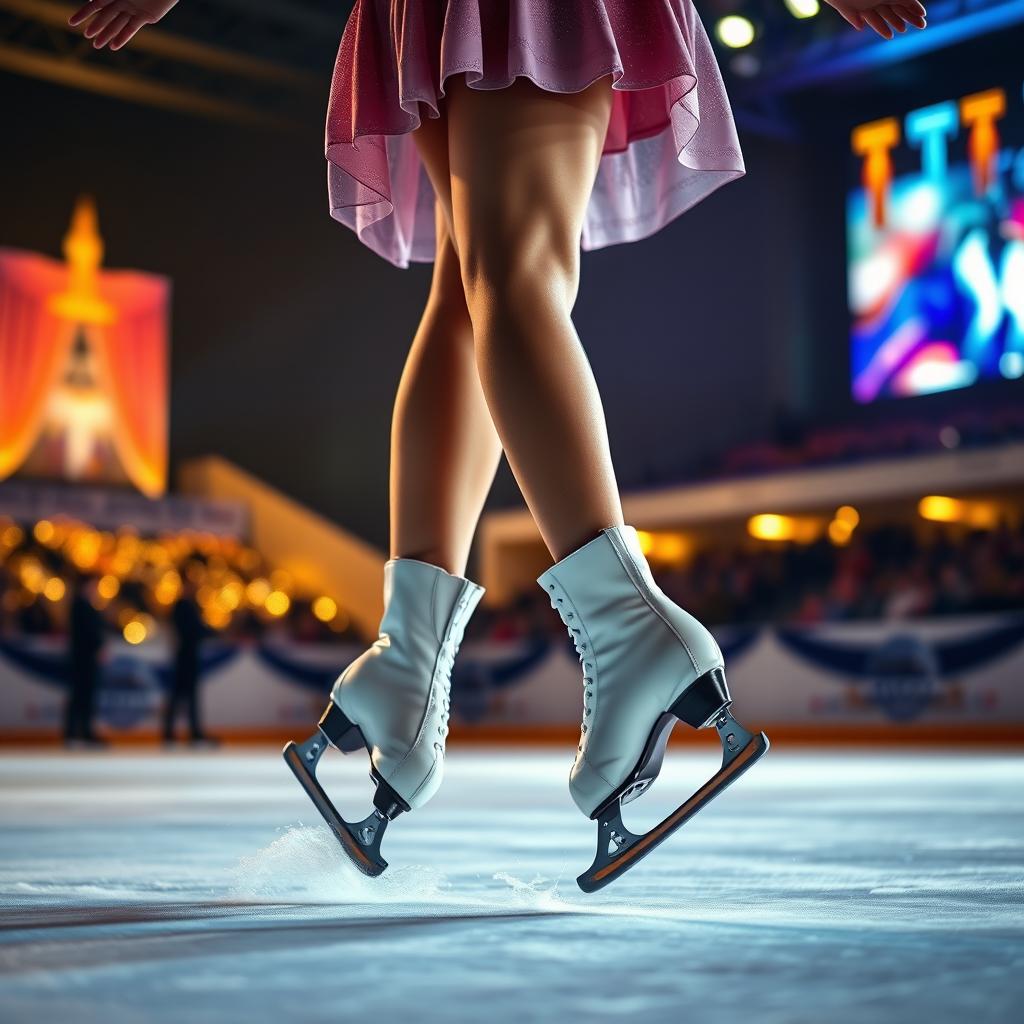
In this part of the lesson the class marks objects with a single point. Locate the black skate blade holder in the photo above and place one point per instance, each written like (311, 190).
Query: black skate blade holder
(619, 849)
(361, 839)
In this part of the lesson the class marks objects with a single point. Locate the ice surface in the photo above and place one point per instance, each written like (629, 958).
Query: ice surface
(826, 887)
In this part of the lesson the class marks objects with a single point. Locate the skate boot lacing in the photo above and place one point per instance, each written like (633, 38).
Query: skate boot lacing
(445, 665)
(577, 634)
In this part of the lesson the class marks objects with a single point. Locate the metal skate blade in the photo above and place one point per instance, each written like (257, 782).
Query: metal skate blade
(368, 861)
(618, 849)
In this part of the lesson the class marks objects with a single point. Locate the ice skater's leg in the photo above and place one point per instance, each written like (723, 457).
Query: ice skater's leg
(523, 163)
(444, 447)
(394, 699)
(431, 141)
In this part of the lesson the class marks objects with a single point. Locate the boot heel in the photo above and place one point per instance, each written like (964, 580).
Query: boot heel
(339, 730)
(703, 699)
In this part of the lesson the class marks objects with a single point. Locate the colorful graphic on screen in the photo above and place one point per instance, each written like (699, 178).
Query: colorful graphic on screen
(935, 247)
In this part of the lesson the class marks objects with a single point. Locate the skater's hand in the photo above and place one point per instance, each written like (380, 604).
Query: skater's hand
(116, 21)
(885, 18)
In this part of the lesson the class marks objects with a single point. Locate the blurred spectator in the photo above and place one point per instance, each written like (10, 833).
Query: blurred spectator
(85, 642)
(795, 447)
(889, 570)
(189, 632)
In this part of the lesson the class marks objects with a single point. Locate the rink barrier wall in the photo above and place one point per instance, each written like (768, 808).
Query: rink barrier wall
(948, 680)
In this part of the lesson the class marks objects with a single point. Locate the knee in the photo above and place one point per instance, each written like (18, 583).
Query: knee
(447, 300)
(446, 308)
(447, 311)
(518, 281)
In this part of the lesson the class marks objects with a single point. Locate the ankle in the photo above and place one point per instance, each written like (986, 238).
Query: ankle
(436, 558)
(579, 540)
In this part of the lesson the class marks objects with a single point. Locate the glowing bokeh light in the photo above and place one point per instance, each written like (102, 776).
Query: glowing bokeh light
(848, 514)
(803, 8)
(734, 30)
(134, 632)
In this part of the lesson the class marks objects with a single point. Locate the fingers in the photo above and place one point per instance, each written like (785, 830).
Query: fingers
(88, 10)
(114, 22)
(101, 20)
(885, 18)
(878, 23)
(913, 7)
(115, 26)
(126, 33)
(882, 21)
(893, 17)
(917, 18)
(889, 18)
(852, 16)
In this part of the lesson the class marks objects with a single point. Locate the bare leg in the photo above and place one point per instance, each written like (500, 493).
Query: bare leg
(444, 448)
(523, 163)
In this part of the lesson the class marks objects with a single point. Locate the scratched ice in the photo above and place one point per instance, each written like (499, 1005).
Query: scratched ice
(823, 887)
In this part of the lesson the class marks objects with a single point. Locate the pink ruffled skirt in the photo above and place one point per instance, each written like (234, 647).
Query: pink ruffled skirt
(671, 138)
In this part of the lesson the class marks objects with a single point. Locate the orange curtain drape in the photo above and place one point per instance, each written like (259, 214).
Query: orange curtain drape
(133, 357)
(34, 346)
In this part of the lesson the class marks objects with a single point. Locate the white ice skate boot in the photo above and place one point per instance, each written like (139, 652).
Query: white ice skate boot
(394, 700)
(647, 664)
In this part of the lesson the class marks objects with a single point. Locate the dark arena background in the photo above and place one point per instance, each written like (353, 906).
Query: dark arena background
(814, 385)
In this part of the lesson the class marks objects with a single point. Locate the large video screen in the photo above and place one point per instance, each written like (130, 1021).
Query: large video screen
(935, 246)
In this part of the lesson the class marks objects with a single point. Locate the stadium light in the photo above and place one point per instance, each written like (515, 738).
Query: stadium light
(839, 532)
(981, 515)
(848, 514)
(1011, 365)
(803, 8)
(134, 632)
(734, 30)
(769, 526)
(940, 509)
